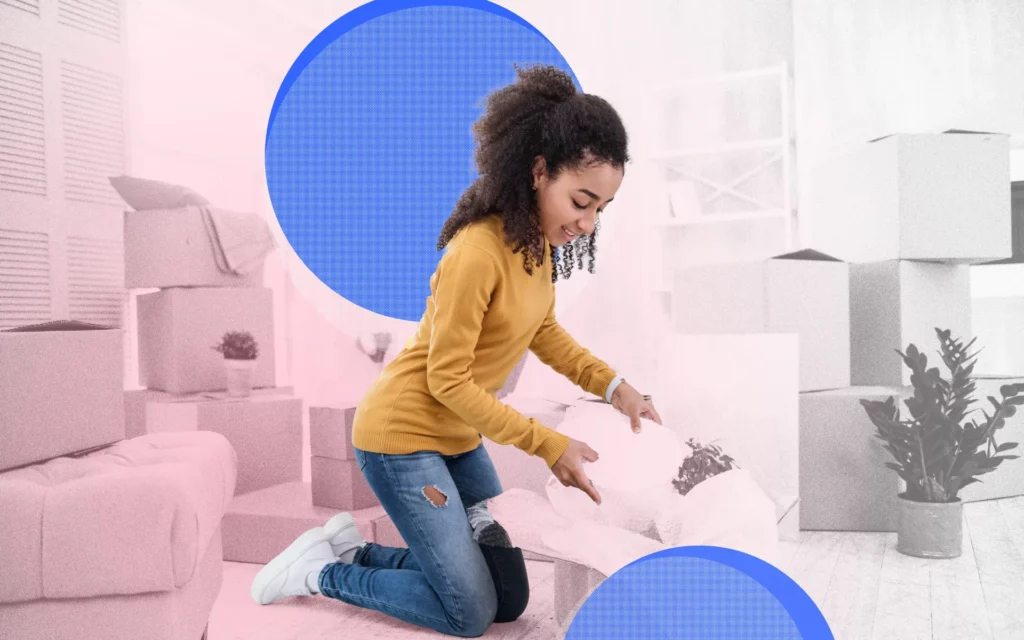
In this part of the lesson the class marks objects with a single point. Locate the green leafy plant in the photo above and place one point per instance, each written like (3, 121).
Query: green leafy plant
(238, 345)
(702, 463)
(937, 450)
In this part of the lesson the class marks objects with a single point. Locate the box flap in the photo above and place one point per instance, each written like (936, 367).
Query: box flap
(950, 131)
(60, 325)
(979, 133)
(807, 254)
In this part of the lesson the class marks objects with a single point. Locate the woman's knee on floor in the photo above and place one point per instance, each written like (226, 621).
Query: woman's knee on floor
(511, 581)
(476, 614)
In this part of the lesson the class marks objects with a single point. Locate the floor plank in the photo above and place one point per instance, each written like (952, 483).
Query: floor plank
(958, 601)
(815, 561)
(1000, 558)
(849, 605)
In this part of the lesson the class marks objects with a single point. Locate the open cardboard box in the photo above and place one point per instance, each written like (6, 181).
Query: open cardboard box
(62, 390)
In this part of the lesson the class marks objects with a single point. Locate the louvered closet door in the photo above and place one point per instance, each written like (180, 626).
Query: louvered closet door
(62, 134)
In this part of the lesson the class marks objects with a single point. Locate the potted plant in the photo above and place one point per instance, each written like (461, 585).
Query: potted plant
(240, 351)
(937, 450)
(702, 463)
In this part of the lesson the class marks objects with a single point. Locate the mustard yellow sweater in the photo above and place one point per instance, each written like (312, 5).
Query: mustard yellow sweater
(483, 312)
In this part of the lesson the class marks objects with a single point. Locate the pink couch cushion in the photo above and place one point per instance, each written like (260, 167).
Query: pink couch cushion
(134, 517)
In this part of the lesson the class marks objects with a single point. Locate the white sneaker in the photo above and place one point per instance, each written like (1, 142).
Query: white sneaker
(344, 537)
(286, 575)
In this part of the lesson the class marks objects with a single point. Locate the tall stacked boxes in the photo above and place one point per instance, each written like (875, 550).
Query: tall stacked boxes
(176, 251)
(912, 212)
(61, 392)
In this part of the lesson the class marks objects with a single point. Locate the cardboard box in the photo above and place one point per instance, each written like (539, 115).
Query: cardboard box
(259, 525)
(330, 432)
(265, 431)
(844, 483)
(135, 402)
(806, 293)
(172, 248)
(741, 393)
(898, 302)
(998, 324)
(927, 196)
(1008, 479)
(339, 484)
(178, 328)
(60, 390)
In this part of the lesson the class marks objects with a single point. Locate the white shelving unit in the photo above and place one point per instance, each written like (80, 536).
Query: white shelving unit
(680, 161)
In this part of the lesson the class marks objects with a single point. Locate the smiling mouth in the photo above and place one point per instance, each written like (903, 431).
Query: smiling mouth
(568, 234)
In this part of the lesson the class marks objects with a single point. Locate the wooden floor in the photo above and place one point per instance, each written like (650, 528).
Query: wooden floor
(866, 589)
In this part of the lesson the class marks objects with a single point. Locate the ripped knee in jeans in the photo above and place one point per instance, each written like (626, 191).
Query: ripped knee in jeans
(435, 496)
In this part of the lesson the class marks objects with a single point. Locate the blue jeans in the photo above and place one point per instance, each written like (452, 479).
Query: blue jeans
(444, 581)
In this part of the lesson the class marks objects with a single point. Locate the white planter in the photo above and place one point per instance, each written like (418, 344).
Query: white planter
(239, 377)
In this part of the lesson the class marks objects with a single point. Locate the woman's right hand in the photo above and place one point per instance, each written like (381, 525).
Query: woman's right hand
(569, 468)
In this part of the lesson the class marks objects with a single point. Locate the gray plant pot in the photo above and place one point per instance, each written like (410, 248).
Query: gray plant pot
(930, 529)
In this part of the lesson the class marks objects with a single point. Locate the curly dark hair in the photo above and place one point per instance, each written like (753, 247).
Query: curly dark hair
(540, 114)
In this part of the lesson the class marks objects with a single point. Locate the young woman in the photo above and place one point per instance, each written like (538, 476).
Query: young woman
(550, 160)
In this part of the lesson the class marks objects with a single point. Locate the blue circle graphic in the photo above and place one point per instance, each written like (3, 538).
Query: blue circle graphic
(369, 144)
(699, 593)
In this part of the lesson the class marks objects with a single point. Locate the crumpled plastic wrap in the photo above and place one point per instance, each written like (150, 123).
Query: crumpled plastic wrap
(728, 510)
(629, 462)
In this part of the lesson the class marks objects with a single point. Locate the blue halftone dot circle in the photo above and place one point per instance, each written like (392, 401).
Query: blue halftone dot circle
(369, 143)
(699, 593)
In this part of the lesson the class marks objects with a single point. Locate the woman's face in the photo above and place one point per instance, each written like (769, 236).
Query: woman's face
(569, 205)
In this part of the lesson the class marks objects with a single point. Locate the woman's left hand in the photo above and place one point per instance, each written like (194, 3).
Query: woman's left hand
(632, 403)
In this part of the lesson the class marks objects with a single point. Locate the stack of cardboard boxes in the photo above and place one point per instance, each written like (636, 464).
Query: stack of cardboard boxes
(194, 304)
(922, 209)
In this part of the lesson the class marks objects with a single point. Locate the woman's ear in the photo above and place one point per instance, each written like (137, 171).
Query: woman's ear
(539, 171)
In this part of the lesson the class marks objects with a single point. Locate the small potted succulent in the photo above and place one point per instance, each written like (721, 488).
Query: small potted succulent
(937, 450)
(702, 463)
(240, 351)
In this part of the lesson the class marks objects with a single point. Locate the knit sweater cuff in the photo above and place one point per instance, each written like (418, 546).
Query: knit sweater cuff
(553, 447)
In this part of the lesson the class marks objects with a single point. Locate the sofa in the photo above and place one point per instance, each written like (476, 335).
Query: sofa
(120, 542)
